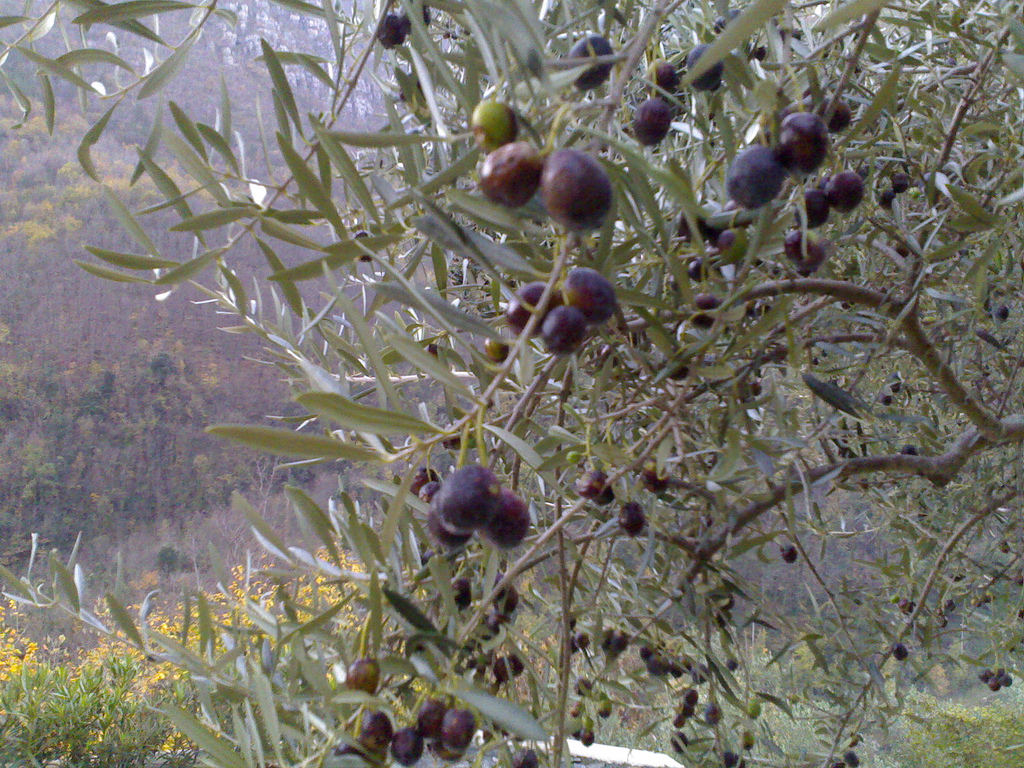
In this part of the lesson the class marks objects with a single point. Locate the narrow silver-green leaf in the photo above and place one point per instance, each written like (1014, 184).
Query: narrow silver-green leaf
(184, 271)
(383, 139)
(309, 184)
(753, 18)
(66, 583)
(130, 10)
(505, 714)
(82, 56)
(834, 395)
(123, 620)
(362, 418)
(218, 749)
(109, 274)
(131, 260)
(284, 442)
(850, 11)
(168, 68)
(213, 219)
(288, 234)
(55, 68)
(90, 138)
(342, 253)
(219, 145)
(346, 167)
(49, 102)
(280, 81)
(409, 611)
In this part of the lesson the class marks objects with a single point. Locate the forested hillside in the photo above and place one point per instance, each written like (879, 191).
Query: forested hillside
(105, 392)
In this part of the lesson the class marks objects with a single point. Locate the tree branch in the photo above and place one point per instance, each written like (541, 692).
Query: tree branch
(968, 99)
(916, 341)
(938, 469)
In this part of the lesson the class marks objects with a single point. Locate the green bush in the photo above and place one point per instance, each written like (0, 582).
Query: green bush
(987, 734)
(96, 715)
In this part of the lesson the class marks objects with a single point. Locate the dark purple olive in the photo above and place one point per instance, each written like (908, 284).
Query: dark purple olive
(755, 177)
(816, 207)
(393, 30)
(468, 498)
(510, 523)
(665, 76)
(803, 142)
(376, 732)
(443, 535)
(517, 315)
(900, 183)
(652, 121)
(576, 190)
(407, 746)
(588, 47)
(591, 293)
(563, 330)
(845, 191)
(430, 717)
(632, 519)
(511, 174)
(711, 80)
(457, 728)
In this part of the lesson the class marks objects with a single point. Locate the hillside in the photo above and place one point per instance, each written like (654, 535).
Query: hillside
(106, 391)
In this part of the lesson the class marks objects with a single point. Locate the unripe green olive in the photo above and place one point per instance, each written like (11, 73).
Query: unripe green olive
(494, 124)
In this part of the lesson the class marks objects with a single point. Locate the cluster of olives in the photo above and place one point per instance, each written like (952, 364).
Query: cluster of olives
(395, 27)
(613, 644)
(448, 731)
(586, 299)
(898, 184)
(653, 118)
(584, 723)
(711, 716)
(996, 679)
(471, 500)
(850, 760)
(757, 174)
(573, 185)
(659, 665)
(594, 485)
(756, 177)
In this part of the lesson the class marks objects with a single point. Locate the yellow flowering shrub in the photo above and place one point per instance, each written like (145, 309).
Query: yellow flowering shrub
(95, 707)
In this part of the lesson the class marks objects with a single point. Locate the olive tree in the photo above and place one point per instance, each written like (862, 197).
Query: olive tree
(656, 343)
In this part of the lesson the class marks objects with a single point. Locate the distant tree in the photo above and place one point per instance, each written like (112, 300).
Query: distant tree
(757, 385)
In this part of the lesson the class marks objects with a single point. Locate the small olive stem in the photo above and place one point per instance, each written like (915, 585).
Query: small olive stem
(652, 439)
(531, 392)
(980, 72)
(1010, 389)
(484, 401)
(851, 64)
(882, 248)
(828, 593)
(564, 651)
(634, 52)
